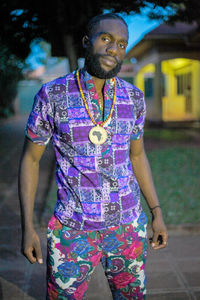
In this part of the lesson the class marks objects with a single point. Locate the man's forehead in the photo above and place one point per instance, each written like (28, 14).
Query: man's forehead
(112, 26)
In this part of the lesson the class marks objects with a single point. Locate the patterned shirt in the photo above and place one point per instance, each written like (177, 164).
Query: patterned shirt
(97, 188)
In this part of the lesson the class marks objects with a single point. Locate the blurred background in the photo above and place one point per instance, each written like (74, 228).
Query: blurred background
(41, 40)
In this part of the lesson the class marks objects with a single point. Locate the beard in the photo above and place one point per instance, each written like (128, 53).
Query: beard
(94, 68)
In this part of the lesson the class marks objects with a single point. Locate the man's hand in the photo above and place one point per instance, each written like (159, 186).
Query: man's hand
(31, 247)
(160, 235)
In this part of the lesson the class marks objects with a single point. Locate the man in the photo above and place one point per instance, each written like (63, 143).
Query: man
(95, 121)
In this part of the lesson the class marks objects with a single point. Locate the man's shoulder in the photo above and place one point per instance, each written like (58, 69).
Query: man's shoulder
(130, 87)
(56, 88)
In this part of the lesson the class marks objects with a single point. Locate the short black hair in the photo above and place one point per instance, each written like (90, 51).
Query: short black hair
(95, 20)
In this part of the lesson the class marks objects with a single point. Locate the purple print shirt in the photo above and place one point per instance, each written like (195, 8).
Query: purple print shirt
(97, 188)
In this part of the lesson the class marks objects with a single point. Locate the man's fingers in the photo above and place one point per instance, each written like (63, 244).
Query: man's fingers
(29, 254)
(165, 238)
(31, 247)
(163, 245)
(155, 239)
(34, 253)
(38, 253)
(159, 240)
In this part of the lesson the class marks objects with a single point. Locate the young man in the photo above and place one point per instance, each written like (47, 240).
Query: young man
(95, 121)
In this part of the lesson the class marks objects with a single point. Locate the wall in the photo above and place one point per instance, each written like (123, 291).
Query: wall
(174, 102)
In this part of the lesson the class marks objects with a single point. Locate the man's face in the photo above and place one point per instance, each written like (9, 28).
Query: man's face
(106, 48)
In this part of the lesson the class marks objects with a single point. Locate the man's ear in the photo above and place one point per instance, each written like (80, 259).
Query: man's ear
(85, 41)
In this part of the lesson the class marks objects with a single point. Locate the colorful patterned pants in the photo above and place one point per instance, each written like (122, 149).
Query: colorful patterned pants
(73, 256)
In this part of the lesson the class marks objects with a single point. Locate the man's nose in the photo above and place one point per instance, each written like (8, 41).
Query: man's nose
(112, 49)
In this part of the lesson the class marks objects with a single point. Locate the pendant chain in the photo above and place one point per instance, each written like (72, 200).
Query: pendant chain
(85, 102)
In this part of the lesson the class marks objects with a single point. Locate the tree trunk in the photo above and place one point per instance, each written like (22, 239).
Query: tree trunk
(70, 51)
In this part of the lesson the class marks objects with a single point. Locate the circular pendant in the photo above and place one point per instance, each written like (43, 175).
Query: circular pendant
(98, 135)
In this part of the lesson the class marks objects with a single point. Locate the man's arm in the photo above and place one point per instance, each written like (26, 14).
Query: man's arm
(143, 175)
(28, 181)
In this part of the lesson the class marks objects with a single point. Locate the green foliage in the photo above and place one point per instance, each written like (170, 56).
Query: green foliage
(22, 21)
(10, 73)
(62, 24)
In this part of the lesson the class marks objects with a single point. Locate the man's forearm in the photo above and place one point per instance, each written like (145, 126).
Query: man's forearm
(143, 175)
(28, 181)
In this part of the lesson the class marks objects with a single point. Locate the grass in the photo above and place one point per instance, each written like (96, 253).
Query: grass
(176, 174)
(167, 134)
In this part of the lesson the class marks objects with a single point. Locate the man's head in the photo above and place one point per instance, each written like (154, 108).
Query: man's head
(105, 44)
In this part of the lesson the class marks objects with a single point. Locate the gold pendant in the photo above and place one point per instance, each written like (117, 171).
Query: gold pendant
(98, 135)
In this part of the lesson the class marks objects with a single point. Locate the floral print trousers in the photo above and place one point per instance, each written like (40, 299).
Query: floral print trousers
(73, 256)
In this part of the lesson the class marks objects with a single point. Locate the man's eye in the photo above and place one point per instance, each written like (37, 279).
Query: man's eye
(122, 46)
(105, 39)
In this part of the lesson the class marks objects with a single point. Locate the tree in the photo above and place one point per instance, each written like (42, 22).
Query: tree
(179, 10)
(10, 73)
(62, 23)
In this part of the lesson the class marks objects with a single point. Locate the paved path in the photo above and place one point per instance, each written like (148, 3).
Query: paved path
(172, 273)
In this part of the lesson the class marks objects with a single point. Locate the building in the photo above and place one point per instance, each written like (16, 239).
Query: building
(168, 72)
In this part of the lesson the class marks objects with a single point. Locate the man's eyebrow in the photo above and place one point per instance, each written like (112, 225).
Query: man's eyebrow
(103, 32)
(108, 33)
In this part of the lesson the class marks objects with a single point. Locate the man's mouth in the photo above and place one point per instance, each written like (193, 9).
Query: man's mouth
(108, 60)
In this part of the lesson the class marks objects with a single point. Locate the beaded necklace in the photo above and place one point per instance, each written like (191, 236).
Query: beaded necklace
(97, 134)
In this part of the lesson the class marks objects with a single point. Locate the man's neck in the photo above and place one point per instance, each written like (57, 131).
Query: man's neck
(99, 83)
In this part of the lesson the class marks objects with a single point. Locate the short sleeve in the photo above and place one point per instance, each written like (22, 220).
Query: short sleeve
(39, 127)
(138, 129)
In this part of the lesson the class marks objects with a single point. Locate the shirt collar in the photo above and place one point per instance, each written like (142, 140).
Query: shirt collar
(92, 97)
(109, 83)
